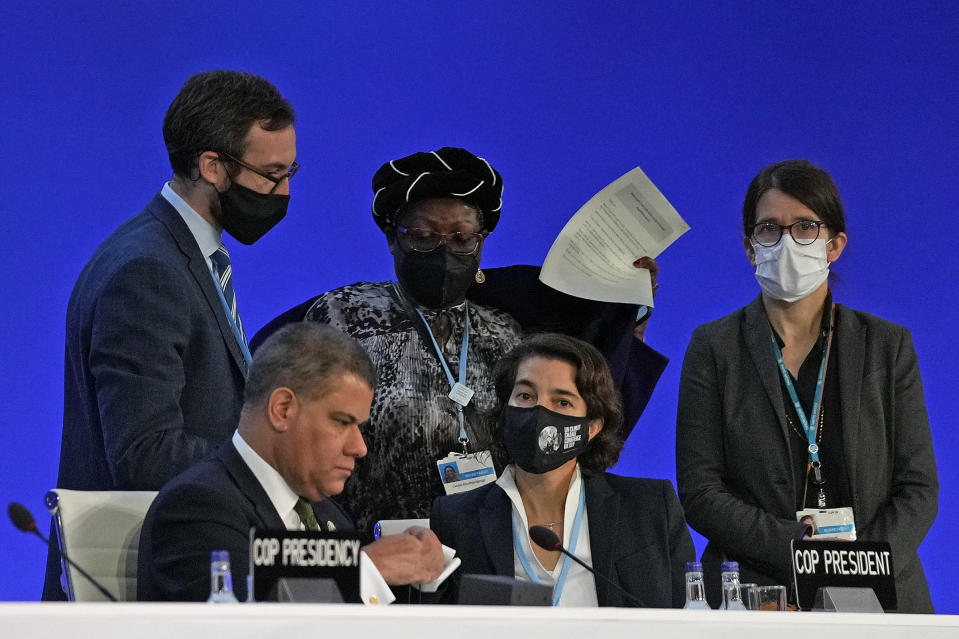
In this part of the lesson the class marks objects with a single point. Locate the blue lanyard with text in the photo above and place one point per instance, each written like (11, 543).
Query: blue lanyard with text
(574, 538)
(808, 424)
(229, 317)
(463, 437)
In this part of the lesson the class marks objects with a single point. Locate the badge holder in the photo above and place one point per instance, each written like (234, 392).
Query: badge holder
(829, 523)
(461, 472)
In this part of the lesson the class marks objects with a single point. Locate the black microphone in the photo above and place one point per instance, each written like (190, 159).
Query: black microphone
(547, 540)
(23, 520)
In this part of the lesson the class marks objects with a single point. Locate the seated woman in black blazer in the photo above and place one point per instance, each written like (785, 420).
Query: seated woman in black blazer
(558, 431)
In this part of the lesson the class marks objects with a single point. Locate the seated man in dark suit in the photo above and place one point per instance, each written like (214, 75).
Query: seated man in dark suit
(306, 399)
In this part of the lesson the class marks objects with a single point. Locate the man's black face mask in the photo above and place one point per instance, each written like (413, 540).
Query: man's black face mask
(248, 215)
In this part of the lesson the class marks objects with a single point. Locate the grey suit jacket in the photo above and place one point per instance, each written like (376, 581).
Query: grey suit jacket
(154, 375)
(733, 458)
(637, 536)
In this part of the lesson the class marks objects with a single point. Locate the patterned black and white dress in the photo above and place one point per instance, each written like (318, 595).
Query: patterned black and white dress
(413, 422)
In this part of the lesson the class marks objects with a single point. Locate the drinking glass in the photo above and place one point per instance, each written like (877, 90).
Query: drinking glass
(766, 598)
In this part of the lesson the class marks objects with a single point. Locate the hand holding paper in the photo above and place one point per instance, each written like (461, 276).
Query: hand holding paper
(415, 556)
(593, 255)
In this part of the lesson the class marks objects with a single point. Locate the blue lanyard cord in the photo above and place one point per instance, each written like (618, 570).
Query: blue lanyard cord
(567, 561)
(808, 423)
(229, 317)
(464, 349)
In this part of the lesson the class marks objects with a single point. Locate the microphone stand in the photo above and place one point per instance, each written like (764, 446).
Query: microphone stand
(23, 520)
(547, 540)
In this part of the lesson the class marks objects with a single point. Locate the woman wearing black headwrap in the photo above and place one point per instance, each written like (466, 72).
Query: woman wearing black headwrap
(437, 209)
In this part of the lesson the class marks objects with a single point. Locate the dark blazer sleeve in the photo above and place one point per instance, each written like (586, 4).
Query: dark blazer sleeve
(446, 520)
(609, 327)
(448, 592)
(290, 316)
(713, 507)
(911, 493)
(477, 524)
(681, 547)
(139, 338)
(181, 528)
(639, 540)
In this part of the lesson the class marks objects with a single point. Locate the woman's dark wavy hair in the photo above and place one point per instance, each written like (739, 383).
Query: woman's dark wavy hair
(593, 381)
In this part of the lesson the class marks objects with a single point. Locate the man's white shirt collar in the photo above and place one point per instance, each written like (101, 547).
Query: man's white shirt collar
(207, 237)
(281, 495)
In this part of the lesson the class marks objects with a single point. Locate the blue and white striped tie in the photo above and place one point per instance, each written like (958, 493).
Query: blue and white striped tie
(224, 273)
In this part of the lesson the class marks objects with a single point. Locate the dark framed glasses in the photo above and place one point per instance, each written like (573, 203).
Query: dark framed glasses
(803, 232)
(290, 172)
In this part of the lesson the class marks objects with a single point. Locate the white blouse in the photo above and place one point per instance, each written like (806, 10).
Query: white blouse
(579, 589)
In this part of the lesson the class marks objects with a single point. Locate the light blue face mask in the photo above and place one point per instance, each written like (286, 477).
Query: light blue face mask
(790, 271)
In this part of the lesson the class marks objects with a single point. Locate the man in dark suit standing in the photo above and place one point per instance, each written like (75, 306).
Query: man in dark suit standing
(156, 355)
(300, 433)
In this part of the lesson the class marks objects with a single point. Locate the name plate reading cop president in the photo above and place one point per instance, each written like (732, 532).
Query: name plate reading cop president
(304, 554)
(851, 564)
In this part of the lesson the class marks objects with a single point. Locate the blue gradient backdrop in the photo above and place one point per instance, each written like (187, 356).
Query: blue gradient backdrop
(562, 97)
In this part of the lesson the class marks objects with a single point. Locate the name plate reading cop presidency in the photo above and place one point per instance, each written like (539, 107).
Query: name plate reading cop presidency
(850, 564)
(304, 554)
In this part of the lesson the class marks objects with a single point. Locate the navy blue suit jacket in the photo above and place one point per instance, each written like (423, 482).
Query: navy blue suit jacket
(211, 506)
(153, 375)
(637, 537)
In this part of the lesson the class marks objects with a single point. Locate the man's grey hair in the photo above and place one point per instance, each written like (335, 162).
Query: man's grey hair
(305, 357)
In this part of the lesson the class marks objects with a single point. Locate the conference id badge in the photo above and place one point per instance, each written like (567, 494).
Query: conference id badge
(461, 473)
(836, 523)
(461, 394)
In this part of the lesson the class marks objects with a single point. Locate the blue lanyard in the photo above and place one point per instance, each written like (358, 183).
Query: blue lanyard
(574, 538)
(464, 438)
(808, 424)
(229, 317)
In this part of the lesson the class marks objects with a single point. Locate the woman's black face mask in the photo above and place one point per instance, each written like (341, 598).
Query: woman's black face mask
(438, 278)
(540, 440)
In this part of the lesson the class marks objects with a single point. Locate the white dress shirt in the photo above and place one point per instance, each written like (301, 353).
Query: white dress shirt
(373, 588)
(207, 237)
(580, 587)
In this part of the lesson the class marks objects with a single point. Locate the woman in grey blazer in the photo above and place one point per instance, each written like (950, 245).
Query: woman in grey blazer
(795, 402)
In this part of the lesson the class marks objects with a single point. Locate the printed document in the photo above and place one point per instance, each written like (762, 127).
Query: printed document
(593, 256)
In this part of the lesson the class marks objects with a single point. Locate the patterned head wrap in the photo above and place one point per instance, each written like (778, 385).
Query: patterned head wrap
(449, 172)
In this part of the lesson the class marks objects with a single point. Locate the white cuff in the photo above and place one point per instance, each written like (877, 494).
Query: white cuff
(373, 588)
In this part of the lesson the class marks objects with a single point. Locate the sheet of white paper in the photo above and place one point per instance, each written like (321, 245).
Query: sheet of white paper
(397, 526)
(451, 563)
(593, 255)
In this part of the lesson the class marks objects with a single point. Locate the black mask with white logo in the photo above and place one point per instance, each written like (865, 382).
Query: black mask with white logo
(438, 278)
(248, 215)
(540, 440)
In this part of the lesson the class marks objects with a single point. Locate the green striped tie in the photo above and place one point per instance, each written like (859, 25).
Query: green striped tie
(305, 511)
